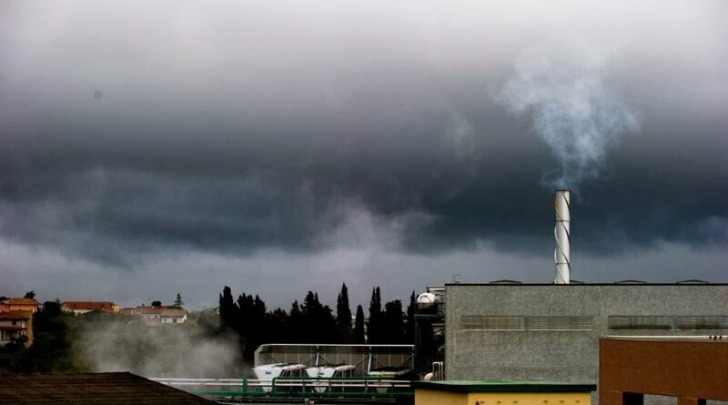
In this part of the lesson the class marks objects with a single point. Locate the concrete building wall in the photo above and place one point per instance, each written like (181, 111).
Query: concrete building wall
(551, 332)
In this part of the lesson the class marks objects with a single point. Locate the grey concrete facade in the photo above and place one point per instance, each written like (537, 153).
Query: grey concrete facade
(551, 332)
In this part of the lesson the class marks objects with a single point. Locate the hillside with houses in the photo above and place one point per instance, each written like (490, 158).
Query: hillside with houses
(165, 339)
(83, 335)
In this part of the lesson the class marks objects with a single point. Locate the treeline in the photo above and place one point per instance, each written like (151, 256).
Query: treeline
(314, 322)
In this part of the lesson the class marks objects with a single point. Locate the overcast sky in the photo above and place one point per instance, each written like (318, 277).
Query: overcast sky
(155, 147)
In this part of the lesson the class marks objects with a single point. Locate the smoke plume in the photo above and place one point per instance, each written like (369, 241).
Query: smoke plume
(119, 344)
(572, 110)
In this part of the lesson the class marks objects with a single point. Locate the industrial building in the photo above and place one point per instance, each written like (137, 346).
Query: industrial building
(551, 332)
(509, 330)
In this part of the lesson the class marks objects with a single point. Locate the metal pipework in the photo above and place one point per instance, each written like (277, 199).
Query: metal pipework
(562, 232)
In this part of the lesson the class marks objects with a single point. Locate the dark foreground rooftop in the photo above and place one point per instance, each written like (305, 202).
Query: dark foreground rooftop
(90, 389)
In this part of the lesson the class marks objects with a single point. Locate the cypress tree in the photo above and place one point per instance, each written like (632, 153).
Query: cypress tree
(343, 315)
(228, 310)
(374, 328)
(359, 337)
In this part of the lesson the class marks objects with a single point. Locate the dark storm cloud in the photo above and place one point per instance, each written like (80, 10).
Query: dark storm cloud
(246, 127)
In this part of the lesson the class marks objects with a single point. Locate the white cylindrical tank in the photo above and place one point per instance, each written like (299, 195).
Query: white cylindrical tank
(426, 300)
(562, 232)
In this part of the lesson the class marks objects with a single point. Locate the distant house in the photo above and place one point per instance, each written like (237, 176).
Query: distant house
(149, 314)
(160, 315)
(173, 315)
(82, 307)
(90, 389)
(16, 326)
(16, 320)
(128, 311)
(19, 304)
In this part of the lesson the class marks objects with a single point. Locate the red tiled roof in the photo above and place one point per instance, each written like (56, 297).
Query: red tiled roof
(19, 301)
(173, 312)
(90, 389)
(149, 310)
(90, 305)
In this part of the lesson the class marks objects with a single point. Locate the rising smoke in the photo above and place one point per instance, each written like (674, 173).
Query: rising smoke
(572, 110)
(113, 344)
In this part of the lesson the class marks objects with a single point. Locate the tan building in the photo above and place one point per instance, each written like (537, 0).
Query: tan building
(161, 315)
(454, 392)
(16, 320)
(16, 326)
(19, 304)
(173, 315)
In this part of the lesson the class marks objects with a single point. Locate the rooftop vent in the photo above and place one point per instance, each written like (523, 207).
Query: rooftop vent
(505, 282)
(693, 281)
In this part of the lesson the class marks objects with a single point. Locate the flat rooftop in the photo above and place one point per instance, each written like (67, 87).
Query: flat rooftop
(670, 338)
(471, 386)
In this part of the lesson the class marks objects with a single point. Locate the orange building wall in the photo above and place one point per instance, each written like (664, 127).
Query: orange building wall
(690, 370)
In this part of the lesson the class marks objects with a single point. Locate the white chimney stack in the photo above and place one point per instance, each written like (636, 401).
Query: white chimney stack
(563, 237)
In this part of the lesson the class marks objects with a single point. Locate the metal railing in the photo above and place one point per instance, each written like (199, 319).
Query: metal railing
(292, 386)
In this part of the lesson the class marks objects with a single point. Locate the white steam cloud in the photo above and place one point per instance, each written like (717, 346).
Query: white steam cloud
(572, 110)
(125, 344)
